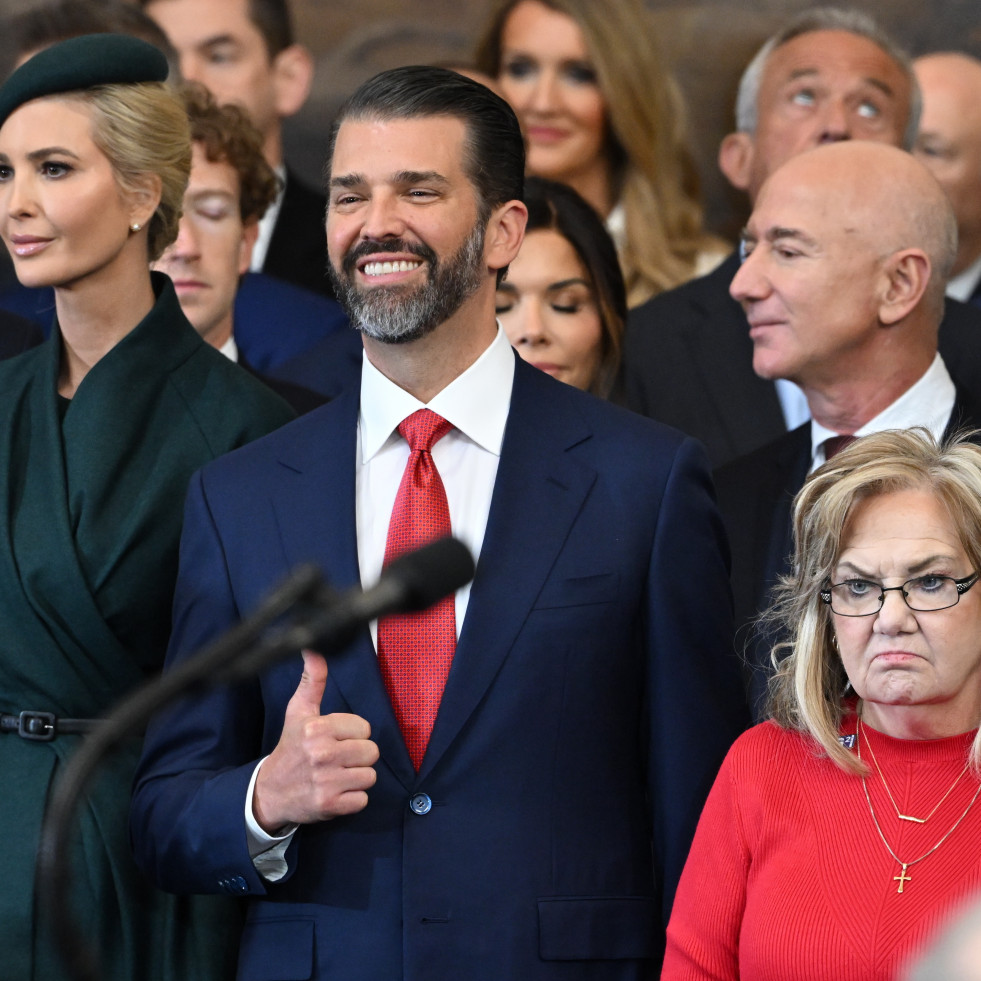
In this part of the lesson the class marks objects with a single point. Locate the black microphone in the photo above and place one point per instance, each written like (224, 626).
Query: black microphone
(418, 579)
(316, 617)
(328, 621)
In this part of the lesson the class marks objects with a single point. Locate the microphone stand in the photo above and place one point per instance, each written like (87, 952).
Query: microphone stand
(323, 619)
(249, 642)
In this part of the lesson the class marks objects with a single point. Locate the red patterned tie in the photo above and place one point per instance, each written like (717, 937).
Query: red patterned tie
(415, 649)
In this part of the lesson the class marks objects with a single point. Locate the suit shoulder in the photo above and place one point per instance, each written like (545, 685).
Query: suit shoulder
(685, 307)
(615, 439)
(786, 448)
(614, 421)
(665, 315)
(295, 439)
(226, 400)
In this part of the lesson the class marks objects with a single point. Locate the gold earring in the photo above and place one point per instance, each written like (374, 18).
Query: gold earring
(134, 227)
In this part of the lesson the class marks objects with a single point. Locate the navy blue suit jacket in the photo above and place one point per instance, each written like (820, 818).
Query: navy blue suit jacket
(592, 696)
(276, 321)
(329, 367)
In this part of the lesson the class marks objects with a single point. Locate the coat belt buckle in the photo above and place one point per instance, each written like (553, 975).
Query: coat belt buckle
(39, 726)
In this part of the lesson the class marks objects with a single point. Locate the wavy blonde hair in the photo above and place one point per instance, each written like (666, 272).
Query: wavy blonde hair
(809, 680)
(654, 174)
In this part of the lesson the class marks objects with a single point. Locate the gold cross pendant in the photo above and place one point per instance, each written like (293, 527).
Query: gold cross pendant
(902, 878)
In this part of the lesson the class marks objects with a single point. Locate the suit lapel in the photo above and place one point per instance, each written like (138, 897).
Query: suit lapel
(790, 467)
(519, 549)
(538, 493)
(747, 407)
(317, 481)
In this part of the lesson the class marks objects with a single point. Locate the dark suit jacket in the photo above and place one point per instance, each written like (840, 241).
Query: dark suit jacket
(17, 334)
(755, 496)
(590, 701)
(276, 321)
(688, 361)
(300, 399)
(329, 367)
(298, 247)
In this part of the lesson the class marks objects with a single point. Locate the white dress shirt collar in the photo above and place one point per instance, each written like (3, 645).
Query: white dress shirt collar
(961, 287)
(927, 403)
(267, 223)
(475, 402)
(230, 349)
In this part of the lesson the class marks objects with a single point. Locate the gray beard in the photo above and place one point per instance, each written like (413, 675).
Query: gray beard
(398, 314)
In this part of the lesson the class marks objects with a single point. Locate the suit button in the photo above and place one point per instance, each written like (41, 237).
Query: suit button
(237, 884)
(420, 804)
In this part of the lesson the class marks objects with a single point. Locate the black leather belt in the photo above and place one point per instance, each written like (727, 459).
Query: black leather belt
(44, 726)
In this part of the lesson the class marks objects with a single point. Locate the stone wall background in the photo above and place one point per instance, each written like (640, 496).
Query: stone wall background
(707, 42)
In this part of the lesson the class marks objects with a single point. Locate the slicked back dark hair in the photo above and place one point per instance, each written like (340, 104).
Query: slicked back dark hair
(495, 151)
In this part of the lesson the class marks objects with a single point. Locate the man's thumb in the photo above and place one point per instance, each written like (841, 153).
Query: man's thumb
(310, 691)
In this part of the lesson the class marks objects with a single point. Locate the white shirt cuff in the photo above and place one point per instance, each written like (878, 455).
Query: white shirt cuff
(266, 851)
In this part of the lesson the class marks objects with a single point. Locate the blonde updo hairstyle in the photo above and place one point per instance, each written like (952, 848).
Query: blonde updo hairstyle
(809, 681)
(143, 130)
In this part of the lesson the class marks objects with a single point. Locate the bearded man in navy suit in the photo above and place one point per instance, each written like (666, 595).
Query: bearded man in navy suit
(591, 694)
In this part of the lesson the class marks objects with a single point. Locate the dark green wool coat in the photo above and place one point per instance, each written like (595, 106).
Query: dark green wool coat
(91, 503)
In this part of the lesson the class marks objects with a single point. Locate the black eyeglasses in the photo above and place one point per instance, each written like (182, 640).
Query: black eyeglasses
(923, 594)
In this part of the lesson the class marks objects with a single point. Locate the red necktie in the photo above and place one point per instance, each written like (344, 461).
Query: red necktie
(415, 650)
(835, 444)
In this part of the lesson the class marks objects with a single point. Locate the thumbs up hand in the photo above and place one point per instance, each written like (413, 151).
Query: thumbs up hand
(322, 766)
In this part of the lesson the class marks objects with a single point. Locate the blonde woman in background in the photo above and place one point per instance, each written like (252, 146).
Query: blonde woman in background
(600, 112)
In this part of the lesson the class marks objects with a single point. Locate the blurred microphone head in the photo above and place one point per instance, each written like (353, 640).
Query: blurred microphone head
(430, 573)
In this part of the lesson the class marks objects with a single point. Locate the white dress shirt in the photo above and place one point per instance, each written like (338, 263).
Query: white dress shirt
(476, 403)
(267, 223)
(793, 403)
(230, 349)
(961, 287)
(928, 403)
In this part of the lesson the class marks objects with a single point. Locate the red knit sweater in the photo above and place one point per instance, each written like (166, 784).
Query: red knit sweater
(788, 880)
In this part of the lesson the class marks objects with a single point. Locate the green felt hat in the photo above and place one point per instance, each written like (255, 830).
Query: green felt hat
(82, 63)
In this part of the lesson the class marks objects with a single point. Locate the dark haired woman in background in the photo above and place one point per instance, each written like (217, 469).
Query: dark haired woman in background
(563, 303)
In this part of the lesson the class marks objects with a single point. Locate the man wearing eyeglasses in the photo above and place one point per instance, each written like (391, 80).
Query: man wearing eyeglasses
(846, 256)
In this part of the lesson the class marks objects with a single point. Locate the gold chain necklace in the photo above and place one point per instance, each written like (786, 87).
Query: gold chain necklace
(903, 878)
(899, 814)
